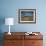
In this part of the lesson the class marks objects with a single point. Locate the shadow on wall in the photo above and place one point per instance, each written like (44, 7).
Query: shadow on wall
(2, 21)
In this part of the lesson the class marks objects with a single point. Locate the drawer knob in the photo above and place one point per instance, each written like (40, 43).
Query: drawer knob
(33, 42)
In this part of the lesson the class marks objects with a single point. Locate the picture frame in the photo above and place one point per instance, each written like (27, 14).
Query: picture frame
(27, 15)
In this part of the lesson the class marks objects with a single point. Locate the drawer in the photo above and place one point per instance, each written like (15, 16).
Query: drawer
(37, 43)
(33, 43)
(16, 37)
(9, 43)
(13, 43)
(28, 37)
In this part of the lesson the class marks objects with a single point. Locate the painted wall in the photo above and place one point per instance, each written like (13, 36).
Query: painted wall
(8, 8)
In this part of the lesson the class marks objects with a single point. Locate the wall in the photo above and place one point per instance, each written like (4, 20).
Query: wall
(9, 8)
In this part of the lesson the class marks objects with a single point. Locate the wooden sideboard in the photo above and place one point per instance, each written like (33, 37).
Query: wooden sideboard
(20, 39)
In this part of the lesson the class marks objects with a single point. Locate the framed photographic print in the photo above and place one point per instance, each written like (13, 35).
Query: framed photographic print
(27, 16)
